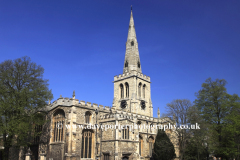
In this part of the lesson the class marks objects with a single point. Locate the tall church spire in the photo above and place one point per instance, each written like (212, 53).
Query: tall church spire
(131, 30)
(132, 59)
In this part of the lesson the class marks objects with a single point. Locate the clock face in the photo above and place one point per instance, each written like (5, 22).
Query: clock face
(123, 104)
(143, 104)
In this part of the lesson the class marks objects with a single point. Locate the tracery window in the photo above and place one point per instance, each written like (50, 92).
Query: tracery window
(88, 117)
(58, 125)
(125, 133)
(106, 156)
(87, 137)
(127, 89)
(121, 91)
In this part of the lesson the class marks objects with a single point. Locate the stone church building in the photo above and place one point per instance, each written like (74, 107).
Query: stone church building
(131, 105)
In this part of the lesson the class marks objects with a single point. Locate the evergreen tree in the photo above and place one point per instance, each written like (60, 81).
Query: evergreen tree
(163, 147)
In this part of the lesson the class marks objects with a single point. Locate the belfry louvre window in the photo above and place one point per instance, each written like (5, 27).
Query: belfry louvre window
(125, 133)
(88, 117)
(121, 91)
(139, 89)
(58, 125)
(106, 156)
(127, 90)
(87, 144)
(144, 88)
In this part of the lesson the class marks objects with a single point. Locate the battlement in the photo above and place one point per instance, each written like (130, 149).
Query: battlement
(117, 114)
(126, 75)
(112, 112)
(68, 102)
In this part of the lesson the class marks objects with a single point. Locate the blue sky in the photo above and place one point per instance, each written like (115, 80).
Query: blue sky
(81, 44)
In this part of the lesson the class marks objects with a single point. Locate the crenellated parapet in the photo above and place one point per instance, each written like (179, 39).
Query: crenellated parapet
(69, 102)
(131, 74)
(110, 112)
(120, 115)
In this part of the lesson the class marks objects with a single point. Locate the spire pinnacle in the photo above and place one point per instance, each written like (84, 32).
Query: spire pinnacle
(73, 94)
(131, 30)
(158, 112)
(132, 59)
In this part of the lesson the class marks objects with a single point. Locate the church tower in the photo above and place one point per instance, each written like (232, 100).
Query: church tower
(132, 90)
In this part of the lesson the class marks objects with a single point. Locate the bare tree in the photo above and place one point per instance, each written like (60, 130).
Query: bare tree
(178, 110)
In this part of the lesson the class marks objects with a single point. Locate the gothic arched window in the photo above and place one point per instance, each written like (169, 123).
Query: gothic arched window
(144, 88)
(87, 137)
(121, 91)
(58, 125)
(127, 89)
(139, 89)
(140, 145)
(88, 117)
(151, 142)
(125, 133)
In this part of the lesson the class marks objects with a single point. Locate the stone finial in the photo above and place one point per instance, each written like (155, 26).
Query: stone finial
(49, 101)
(158, 112)
(60, 96)
(73, 94)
